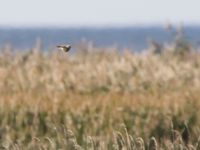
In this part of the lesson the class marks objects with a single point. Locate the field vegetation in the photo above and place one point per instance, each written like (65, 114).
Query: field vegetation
(98, 99)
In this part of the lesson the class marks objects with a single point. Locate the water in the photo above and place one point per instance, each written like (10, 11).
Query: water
(135, 38)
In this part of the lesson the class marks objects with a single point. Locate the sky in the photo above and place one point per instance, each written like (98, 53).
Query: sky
(70, 13)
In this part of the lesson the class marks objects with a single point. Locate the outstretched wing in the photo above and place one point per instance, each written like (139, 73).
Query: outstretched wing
(59, 46)
(64, 48)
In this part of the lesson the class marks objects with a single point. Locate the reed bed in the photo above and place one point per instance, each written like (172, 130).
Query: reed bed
(99, 100)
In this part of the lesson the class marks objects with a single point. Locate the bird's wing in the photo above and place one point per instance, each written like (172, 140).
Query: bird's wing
(59, 46)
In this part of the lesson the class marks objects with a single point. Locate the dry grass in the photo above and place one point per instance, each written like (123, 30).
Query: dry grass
(99, 100)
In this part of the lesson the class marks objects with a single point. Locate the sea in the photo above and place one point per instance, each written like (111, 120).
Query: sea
(134, 38)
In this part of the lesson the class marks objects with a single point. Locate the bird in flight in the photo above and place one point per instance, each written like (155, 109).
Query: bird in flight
(64, 48)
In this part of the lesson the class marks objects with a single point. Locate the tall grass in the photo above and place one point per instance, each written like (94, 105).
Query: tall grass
(99, 100)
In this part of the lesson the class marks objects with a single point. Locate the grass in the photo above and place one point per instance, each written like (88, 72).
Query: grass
(99, 100)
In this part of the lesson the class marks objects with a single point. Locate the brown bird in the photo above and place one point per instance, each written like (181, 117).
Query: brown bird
(64, 48)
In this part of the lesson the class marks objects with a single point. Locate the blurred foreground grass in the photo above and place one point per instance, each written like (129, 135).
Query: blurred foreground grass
(99, 100)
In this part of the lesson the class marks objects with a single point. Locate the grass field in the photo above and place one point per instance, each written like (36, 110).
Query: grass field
(99, 100)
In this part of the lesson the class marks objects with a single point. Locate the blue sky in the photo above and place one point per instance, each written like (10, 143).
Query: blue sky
(98, 12)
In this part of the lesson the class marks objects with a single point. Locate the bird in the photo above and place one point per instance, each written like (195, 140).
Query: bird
(64, 48)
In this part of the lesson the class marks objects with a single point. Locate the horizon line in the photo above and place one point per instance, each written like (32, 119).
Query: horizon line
(139, 25)
(90, 26)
